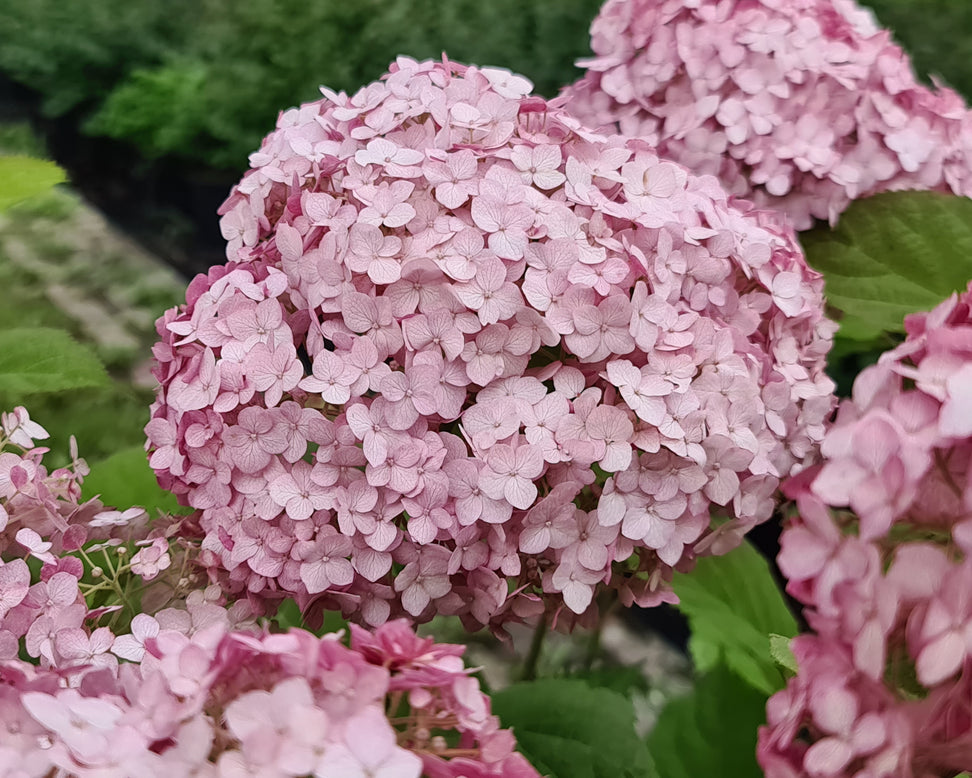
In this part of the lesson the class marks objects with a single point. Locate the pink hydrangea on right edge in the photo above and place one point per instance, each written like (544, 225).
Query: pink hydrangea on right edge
(881, 555)
(798, 105)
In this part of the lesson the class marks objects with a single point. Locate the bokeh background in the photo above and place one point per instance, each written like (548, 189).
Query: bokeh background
(153, 107)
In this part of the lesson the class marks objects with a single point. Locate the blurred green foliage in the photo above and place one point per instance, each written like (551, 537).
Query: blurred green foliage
(205, 79)
(103, 419)
(46, 243)
(75, 53)
(936, 33)
(19, 139)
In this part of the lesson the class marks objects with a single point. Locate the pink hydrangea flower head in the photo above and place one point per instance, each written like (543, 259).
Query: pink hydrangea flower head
(879, 555)
(200, 698)
(466, 355)
(799, 106)
(42, 513)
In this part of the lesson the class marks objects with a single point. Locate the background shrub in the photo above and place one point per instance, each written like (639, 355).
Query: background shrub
(205, 80)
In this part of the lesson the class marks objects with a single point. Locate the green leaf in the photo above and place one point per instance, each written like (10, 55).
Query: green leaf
(24, 177)
(849, 357)
(782, 654)
(288, 615)
(40, 359)
(566, 729)
(125, 479)
(891, 255)
(712, 731)
(618, 678)
(733, 604)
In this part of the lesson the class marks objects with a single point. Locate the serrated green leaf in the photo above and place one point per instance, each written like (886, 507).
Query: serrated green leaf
(40, 359)
(891, 255)
(782, 654)
(712, 731)
(566, 729)
(733, 604)
(24, 177)
(125, 479)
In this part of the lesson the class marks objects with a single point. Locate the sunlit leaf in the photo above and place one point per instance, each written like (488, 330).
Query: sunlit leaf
(24, 177)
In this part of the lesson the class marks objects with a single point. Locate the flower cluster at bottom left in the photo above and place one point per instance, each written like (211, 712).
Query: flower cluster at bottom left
(199, 688)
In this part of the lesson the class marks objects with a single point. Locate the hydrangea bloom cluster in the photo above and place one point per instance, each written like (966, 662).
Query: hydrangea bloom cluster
(41, 512)
(42, 516)
(469, 358)
(89, 558)
(198, 689)
(200, 699)
(881, 554)
(800, 106)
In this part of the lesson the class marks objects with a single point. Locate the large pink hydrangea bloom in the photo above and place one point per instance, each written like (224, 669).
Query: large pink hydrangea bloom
(469, 358)
(799, 105)
(881, 554)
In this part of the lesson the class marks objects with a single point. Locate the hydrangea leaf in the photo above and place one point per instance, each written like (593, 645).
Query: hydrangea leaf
(849, 357)
(40, 359)
(781, 653)
(733, 604)
(618, 678)
(567, 729)
(24, 177)
(712, 731)
(288, 616)
(125, 479)
(891, 255)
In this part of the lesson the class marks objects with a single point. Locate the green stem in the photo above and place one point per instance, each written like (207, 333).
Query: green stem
(593, 648)
(536, 646)
(110, 580)
(606, 603)
(87, 590)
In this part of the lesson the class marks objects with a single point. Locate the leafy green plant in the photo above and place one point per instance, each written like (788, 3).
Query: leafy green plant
(205, 80)
(34, 360)
(733, 605)
(74, 54)
(568, 729)
(712, 731)
(125, 478)
(890, 255)
(25, 177)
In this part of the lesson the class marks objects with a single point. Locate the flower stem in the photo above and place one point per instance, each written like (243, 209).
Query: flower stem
(529, 672)
(606, 602)
(593, 649)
